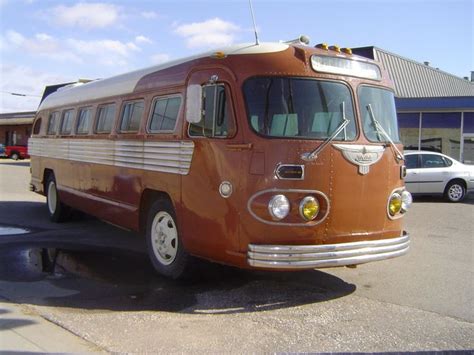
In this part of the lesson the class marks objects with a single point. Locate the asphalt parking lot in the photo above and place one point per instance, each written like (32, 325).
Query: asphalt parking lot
(94, 280)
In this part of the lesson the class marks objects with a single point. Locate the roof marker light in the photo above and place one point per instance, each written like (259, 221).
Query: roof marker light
(335, 48)
(322, 46)
(347, 51)
(218, 55)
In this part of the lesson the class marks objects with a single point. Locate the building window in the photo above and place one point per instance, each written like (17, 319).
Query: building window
(164, 114)
(66, 123)
(53, 123)
(105, 118)
(441, 132)
(409, 125)
(84, 120)
(131, 116)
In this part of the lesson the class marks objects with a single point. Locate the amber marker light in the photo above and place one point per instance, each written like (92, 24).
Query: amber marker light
(309, 208)
(395, 204)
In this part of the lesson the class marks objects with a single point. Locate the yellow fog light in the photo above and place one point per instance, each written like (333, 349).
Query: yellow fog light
(309, 208)
(395, 204)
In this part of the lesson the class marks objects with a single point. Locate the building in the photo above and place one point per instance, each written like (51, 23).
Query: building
(435, 109)
(15, 128)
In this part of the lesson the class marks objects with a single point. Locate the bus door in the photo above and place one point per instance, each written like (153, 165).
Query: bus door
(211, 198)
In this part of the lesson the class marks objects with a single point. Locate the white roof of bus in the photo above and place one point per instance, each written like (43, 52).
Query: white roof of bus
(125, 83)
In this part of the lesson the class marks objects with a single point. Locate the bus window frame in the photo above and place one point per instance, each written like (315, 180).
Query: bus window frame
(60, 132)
(55, 132)
(78, 115)
(151, 110)
(118, 128)
(230, 100)
(96, 118)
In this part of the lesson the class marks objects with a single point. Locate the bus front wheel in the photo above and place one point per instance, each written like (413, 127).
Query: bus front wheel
(164, 245)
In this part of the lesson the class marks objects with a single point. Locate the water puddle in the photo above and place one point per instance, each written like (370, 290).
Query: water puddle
(7, 230)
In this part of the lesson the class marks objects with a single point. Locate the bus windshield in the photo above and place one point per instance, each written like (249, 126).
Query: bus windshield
(299, 108)
(382, 104)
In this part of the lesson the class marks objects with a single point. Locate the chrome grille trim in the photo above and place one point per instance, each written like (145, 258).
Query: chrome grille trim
(328, 255)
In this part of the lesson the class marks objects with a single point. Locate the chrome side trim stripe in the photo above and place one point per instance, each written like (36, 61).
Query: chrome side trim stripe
(169, 157)
(329, 255)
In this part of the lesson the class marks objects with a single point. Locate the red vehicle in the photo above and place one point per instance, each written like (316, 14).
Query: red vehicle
(16, 152)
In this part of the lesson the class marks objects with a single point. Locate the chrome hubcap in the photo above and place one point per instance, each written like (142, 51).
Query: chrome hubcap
(52, 197)
(455, 192)
(164, 238)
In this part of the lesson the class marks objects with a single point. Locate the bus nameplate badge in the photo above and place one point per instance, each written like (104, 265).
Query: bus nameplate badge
(361, 155)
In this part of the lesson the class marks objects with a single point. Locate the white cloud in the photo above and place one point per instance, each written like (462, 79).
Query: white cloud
(40, 44)
(210, 33)
(159, 58)
(86, 15)
(103, 51)
(27, 81)
(149, 15)
(143, 39)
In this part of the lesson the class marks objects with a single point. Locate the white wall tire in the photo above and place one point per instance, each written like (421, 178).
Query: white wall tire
(58, 212)
(165, 248)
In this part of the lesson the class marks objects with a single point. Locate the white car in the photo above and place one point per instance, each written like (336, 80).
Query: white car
(434, 173)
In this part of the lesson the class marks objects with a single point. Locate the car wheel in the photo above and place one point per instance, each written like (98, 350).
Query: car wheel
(455, 191)
(58, 212)
(14, 156)
(165, 247)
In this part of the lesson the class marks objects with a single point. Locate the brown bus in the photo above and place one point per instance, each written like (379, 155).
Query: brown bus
(270, 156)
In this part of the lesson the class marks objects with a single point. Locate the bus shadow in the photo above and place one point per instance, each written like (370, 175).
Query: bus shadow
(468, 200)
(125, 281)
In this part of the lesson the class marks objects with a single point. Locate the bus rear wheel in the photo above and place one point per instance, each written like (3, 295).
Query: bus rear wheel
(58, 212)
(164, 245)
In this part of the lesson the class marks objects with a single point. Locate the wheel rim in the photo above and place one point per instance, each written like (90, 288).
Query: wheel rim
(455, 192)
(52, 197)
(164, 238)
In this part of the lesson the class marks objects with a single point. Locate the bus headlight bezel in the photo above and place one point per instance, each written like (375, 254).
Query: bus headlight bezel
(279, 207)
(395, 204)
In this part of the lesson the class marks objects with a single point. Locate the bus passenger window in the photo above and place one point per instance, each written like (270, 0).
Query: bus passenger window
(53, 123)
(105, 119)
(37, 126)
(83, 122)
(216, 119)
(66, 123)
(131, 116)
(164, 114)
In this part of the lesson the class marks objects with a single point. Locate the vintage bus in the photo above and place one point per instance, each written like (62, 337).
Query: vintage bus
(267, 156)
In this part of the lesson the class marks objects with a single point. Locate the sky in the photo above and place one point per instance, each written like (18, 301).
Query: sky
(45, 42)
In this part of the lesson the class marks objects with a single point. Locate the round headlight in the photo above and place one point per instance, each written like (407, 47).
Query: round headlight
(407, 200)
(395, 204)
(279, 206)
(309, 208)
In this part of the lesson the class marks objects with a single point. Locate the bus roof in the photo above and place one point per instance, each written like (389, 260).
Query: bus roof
(126, 83)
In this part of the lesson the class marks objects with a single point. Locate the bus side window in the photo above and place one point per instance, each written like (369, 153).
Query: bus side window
(37, 126)
(105, 118)
(216, 118)
(66, 123)
(53, 123)
(83, 121)
(131, 116)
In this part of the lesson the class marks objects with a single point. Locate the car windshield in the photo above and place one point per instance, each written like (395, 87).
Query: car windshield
(382, 104)
(299, 108)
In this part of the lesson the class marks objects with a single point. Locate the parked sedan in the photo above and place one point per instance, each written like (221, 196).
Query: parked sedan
(434, 173)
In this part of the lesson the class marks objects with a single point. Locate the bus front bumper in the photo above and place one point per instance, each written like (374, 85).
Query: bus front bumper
(326, 255)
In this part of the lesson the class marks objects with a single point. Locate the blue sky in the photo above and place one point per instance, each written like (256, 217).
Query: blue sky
(46, 41)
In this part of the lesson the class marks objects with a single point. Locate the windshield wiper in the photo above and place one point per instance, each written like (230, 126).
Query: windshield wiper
(313, 155)
(380, 129)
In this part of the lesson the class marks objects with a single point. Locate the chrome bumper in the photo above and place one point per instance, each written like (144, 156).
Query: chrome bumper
(327, 255)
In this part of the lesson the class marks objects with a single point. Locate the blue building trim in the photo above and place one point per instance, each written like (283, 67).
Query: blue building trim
(456, 103)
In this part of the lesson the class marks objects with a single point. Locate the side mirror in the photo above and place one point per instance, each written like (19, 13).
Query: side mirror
(193, 103)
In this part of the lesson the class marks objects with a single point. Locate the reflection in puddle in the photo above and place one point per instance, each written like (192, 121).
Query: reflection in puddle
(6, 230)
